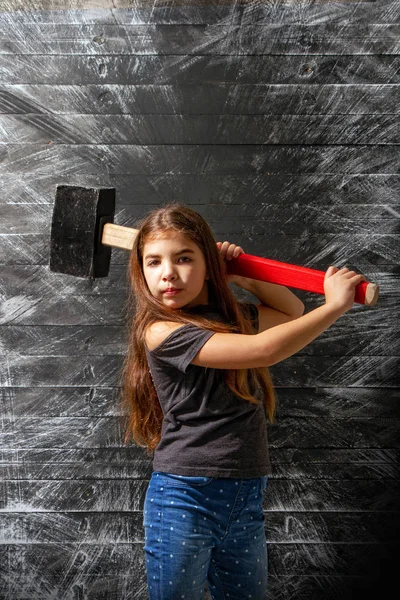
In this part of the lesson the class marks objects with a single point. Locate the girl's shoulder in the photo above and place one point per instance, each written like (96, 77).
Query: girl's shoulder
(157, 332)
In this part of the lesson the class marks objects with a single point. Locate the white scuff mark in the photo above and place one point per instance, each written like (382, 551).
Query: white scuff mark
(325, 215)
(6, 379)
(88, 371)
(340, 253)
(344, 247)
(13, 309)
(212, 35)
(7, 409)
(391, 210)
(289, 522)
(207, 158)
(20, 188)
(324, 556)
(20, 248)
(257, 161)
(358, 371)
(74, 562)
(21, 506)
(153, 8)
(56, 128)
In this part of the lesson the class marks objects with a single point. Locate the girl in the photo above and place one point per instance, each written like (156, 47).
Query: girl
(198, 394)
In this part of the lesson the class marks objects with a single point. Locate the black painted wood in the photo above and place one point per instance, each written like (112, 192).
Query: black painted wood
(215, 99)
(371, 371)
(208, 159)
(128, 495)
(279, 123)
(356, 464)
(90, 432)
(326, 188)
(222, 38)
(217, 129)
(92, 340)
(113, 527)
(282, 69)
(203, 12)
(63, 401)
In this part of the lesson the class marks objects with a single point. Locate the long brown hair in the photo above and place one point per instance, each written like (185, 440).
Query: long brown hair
(139, 396)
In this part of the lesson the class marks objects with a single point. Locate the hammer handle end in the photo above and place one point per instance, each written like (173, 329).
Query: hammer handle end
(371, 294)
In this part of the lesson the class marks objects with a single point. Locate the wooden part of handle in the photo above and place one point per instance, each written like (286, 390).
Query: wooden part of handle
(118, 236)
(302, 278)
(256, 267)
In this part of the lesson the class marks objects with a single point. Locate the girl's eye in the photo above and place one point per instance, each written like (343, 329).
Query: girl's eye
(184, 259)
(153, 263)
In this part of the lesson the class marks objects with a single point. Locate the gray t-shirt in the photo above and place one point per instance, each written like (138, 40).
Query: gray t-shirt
(207, 430)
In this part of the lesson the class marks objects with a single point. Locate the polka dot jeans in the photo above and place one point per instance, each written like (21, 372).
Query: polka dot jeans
(200, 529)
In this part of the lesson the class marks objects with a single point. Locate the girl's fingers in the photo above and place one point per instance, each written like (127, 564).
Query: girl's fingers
(359, 278)
(343, 272)
(228, 250)
(225, 247)
(350, 275)
(331, 271)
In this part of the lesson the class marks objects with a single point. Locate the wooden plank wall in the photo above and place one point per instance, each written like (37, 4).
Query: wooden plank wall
(278, 121)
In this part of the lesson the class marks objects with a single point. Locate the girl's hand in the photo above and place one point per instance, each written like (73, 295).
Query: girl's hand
(340, 286)
(227, 252)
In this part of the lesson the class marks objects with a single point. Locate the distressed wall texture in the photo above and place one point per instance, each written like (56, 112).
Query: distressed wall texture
(278, 121)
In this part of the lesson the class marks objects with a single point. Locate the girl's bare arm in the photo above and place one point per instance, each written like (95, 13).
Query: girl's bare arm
(238, 351)
(278, 303)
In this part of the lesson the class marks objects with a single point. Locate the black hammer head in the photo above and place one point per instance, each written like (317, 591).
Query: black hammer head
(78, 219)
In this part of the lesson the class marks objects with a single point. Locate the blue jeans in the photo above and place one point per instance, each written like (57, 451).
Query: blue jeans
(200, 529)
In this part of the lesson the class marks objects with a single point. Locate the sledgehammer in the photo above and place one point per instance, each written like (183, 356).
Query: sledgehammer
(83, 233)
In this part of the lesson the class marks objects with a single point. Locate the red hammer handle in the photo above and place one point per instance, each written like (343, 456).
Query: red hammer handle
(294, 276)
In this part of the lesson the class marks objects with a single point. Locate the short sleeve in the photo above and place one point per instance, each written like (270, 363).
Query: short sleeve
(181, 346)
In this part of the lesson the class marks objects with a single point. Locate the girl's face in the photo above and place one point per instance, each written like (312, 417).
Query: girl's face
(175, 270)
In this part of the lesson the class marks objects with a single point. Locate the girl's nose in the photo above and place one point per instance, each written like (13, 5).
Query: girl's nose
(169, 273)
(170, 277)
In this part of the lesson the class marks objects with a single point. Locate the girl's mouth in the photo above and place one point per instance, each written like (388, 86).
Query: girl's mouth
(171, 292)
